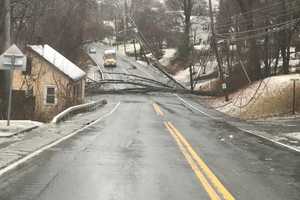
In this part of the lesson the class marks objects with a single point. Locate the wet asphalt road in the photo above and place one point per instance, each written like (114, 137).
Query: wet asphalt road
(132, 155)
(154, 147)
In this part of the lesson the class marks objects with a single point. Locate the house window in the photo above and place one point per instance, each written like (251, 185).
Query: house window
(50, 95)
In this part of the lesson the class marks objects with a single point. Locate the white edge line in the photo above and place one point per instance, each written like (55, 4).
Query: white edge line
(269, 139)
(41, 150)
(194, 107)
(244, 130)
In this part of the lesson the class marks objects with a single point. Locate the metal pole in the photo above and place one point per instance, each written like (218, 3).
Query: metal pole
(11, 71)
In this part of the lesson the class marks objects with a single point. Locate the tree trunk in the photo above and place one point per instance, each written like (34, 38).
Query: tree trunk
(266, 60)
(253, 58)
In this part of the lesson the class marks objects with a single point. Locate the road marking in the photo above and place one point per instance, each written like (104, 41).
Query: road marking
(194, 107)
(209, 174)
(157, 109)
(41, 150)
(209, 189)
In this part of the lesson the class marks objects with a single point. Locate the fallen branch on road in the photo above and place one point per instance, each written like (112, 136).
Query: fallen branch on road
(140, 78)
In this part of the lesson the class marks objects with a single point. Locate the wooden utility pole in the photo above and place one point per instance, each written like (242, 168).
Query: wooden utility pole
(125, 25)
(116, 32)
(191, 77)
(215, 47)
(7, 39)
(135, 53)
(214, 42)
(7, 42)
(294, 96)
(7, 24)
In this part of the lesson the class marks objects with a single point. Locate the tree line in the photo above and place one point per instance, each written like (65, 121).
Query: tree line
(258, 35)
(63, 24)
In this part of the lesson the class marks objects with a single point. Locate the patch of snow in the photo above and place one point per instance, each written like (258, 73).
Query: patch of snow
(292, 63)
(16, 126)
(167, 57)
(109, 23)
(295, 135)
(142, 62)
(202, 47)
(183, 76)
(59, 61)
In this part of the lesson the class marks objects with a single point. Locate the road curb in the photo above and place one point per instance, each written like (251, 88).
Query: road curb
(7, 168)
(249, 132)
(270, 140)
(19, 132)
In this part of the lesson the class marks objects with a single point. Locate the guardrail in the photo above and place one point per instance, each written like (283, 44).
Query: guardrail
(77, 109)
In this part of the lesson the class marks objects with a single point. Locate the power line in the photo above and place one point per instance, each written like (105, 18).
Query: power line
(272, 6)
(263, 33)
(262, 28)
(244, 22)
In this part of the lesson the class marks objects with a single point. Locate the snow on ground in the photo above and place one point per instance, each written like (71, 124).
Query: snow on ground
(142, 62)
(184, 75)
(16, 126)
(292, 63)
(295, 136)
(109, 24)
(202, 47)
(262, 99)
(169, 54)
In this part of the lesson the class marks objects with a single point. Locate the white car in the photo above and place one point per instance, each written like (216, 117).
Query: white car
(92, 50)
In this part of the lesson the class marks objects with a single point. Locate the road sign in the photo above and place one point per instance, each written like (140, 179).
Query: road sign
(13, 58)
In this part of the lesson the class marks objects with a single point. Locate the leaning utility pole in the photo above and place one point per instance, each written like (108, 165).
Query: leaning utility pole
(215, 47)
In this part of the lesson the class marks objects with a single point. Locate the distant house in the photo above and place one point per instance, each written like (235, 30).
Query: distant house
(52, 80)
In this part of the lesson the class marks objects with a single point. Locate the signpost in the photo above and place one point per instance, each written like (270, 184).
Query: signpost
(12, 59)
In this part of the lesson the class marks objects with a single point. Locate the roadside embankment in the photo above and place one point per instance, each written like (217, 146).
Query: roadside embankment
(267, 98)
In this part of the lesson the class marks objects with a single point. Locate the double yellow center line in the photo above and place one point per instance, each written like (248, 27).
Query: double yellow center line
(158, 110)
(212, 185)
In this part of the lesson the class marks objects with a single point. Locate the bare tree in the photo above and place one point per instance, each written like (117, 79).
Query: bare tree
(187, 7)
